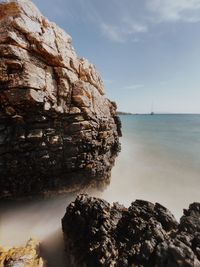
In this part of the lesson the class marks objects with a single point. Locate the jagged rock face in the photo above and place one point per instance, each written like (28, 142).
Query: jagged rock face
(28, 256)
(56, 126)
(144, 235)
(88, 227)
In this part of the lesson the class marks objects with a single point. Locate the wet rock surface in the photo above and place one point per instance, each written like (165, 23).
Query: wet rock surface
(57, 128)
(144, 235)
(28, 256)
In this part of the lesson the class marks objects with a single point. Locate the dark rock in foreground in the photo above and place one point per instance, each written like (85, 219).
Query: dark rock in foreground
(144, 235)
(57, 128)
(28, 256)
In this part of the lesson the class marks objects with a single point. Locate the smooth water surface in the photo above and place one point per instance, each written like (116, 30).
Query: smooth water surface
(159, 162)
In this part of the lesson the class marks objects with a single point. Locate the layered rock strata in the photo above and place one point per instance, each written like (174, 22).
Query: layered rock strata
(57, 128)
(28, 256)
(144, 235)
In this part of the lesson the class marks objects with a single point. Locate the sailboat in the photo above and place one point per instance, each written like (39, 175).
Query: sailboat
(152, 113)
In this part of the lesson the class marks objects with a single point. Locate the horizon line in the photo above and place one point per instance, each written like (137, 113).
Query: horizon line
(159, 113)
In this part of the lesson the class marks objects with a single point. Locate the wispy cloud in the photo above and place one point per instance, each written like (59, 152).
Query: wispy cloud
(174, 10)
(162, 83)
(134, 86)
(112, 32)
(123, 32)
(122, 21)
(108, 81)
(151, 12)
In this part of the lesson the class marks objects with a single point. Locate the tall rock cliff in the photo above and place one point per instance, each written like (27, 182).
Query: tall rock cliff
(57, 128)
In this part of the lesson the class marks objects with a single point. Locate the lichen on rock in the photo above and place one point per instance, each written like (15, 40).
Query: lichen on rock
(57, 128)
(28, 256)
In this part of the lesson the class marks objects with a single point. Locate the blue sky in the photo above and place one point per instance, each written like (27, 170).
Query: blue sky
(146, 50)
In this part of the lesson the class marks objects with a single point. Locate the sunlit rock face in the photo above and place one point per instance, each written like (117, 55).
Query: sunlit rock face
(57, 128)
(27, 256)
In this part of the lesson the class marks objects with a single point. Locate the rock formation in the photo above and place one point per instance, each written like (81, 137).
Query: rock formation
(144, 235)
(56, 126)
(27, 256)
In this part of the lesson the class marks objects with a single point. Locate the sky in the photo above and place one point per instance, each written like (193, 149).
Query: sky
(147, 51)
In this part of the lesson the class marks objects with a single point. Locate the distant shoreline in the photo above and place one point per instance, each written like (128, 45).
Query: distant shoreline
(137, 114)
(124, 113)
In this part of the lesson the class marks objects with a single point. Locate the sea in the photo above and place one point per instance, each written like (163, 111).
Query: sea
(159, 162)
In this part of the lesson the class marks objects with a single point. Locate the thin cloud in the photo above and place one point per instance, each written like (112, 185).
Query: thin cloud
(174, 10)
(134, 86)
(108, 81)
(123, 21)
(116, 23)
(112, 32)
(162, 83)
(135, 40)
(123, 32)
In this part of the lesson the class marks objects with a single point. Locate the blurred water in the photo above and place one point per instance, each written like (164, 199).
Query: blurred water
(38, 218)
(159, 162)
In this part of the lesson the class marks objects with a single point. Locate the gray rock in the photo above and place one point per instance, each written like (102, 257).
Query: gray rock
(144, 235)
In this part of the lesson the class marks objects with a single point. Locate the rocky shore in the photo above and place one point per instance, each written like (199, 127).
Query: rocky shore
(59, 132)
(144, 235)
(57, 128)
(28, 256)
